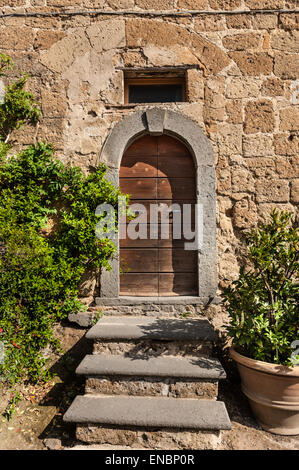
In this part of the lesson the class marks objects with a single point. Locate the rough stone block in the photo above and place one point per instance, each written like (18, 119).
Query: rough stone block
(289, 119)
(289, 21)
(46, 38)
(209, 23)
(166, 439)
(286, 41)
(225, 4)
(253, 63)
(239, 88)
(153, 348)
(287, 167)
(257, 145)
(242, 42)
(259, 117)
(11, 39)
(244, 214)
(262, 21)
(273, 87)
(286, 65)
(295, 191)
(286, 144)
(192, 4)
(234, 112)
(272, 191)
(264, 5)
(242, 21)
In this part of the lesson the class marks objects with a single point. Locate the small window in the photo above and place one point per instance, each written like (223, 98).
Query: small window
(154, 90)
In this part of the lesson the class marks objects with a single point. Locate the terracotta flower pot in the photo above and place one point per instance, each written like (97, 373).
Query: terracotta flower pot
(273, 393)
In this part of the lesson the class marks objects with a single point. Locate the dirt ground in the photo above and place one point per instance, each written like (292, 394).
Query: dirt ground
(38, 417)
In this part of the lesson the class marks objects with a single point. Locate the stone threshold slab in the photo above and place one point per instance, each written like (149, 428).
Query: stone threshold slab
(173, 300)
(120, 366)
(145, 412)
(138, 328)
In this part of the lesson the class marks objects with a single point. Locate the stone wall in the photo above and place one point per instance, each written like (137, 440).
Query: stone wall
(242, 88)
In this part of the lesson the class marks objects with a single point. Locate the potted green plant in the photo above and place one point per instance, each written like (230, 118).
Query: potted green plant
(263, 306)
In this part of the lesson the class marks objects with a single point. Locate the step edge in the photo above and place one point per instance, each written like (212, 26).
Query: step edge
(72, 417)
(87, 370)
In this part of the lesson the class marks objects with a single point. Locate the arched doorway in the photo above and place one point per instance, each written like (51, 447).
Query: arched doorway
(158, 172)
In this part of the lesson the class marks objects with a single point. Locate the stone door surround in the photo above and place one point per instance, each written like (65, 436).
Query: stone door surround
(158, 121)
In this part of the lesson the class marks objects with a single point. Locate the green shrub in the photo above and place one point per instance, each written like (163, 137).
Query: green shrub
(47, 239)
(263, 303)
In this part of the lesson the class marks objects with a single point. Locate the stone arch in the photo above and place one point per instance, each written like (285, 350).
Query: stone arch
(159, 121)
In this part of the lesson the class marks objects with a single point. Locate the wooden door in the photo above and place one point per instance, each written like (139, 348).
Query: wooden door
(157, 170)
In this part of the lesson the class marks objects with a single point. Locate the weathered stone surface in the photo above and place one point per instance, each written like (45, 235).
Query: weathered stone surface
(169, 56)
(192, 4)
(240, 88)
(151, 387)
(195, 85)
(253, 63)
(286, 144)
(289, 119)
(241, 42)
(262, 21)
(244, 214)
(259, 117)
(45, 38)
(62, 54)
(287, 167)
(289, 21)
(210, 55)
(165, 439)
(257, 145)
(262, 167)
(225, 4)
(242, 180)
(265, 5)
(11, 39)
(229, 139)
(287, 41)
(155, 4)
(153, 348)
(106, 35)
(140, 32)
(286, 65)
(242, 21)
(209, 23)
(295, 191)
(272, 191)
(234, 111)
(273, 87)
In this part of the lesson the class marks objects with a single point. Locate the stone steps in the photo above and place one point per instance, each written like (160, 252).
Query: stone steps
(150, 383)
(162, 376)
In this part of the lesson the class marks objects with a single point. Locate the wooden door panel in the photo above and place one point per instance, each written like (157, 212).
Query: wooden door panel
(145, 284)
(177, 260)
(176, 188)
(139, 188)
(158, 171)
(177, 284)
(139, 260)
(175, 166)
(146, 145)
(152, 234)
(168, 146)
(136, 166)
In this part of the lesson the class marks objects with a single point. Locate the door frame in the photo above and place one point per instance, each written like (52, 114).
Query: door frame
(158, 121)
